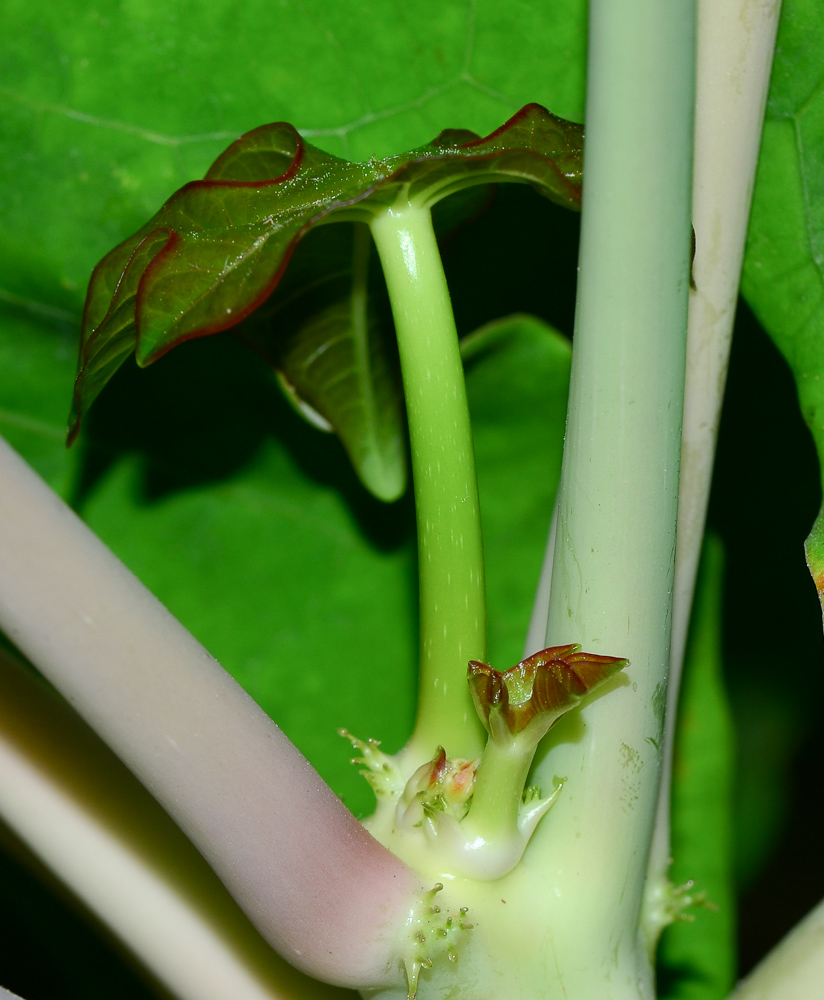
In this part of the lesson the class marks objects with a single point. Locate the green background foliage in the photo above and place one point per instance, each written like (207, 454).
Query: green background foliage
(249, 524)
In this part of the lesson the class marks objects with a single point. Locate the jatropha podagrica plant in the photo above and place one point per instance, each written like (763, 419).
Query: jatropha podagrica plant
(456, 806)
(215, 258)
(453, 904)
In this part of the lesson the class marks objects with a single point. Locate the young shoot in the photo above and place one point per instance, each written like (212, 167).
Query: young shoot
(475, 817)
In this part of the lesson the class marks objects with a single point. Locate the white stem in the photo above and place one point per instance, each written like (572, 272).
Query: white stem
(90, 822)
(735, 48)
(794, 969)
(317, 886)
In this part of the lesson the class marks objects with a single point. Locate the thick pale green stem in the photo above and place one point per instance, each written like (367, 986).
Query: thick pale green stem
(614, 557)
(452, 599)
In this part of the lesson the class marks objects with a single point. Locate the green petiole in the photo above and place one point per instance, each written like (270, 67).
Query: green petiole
(450, 550)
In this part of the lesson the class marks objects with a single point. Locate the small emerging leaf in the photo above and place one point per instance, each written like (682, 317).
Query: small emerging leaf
(536, 692)
(441, 785)
(335, 360)
(219, 247)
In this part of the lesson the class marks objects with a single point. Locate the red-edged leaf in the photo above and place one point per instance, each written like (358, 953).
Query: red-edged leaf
(218, 248)
(535, 693)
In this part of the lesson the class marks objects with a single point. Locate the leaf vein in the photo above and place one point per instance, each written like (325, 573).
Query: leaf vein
(149, 135)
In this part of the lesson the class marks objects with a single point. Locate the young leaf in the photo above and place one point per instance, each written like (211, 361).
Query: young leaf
(536, 692)
(218, 248)
(331, 344)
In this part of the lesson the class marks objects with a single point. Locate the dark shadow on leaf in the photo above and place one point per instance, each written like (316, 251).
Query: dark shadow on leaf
(200, 415)
(765, 496)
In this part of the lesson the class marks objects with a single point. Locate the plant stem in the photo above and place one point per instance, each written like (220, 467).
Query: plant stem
(5, 995)
(735, 48)
(498, 790)
(329, 898)
(536, 633)
(450, 554)
(614, 556)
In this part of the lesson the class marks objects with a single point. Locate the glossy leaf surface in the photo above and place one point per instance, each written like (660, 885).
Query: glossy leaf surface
(218, 248)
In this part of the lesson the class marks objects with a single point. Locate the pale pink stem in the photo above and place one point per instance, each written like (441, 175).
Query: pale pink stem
(318, 887)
